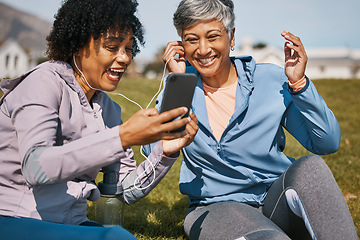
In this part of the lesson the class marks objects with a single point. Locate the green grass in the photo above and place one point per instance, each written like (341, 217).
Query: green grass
(160, 215)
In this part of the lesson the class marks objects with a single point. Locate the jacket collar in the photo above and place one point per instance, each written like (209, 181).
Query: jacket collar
(245, 67)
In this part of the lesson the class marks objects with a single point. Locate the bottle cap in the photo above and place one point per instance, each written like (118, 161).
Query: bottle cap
(109, 184)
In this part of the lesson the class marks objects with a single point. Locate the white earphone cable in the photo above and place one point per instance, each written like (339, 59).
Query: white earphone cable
(141, 151)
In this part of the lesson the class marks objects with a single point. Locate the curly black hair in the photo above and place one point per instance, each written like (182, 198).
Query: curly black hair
(77, 21)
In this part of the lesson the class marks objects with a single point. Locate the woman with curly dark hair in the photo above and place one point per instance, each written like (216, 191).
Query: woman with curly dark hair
(59, 128)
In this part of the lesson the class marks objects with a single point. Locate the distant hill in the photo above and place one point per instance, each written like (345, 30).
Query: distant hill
(27, 29)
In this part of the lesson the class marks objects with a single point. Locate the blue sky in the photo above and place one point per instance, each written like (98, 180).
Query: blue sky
(319, 23)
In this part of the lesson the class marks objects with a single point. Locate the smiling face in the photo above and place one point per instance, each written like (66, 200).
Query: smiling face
(207, 46)
(103, 61)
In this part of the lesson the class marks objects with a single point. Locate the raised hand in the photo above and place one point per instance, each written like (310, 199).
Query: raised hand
(295, 57)
(174, 65)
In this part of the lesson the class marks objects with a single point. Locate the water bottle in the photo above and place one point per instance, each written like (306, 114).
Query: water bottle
(109, 208)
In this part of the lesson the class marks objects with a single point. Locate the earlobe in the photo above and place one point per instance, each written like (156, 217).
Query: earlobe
(232, 39)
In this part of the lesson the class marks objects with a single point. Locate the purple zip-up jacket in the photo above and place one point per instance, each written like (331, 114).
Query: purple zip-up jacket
(53, 144)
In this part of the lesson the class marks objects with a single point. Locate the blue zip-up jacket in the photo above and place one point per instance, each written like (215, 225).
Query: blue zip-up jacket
(249, 156)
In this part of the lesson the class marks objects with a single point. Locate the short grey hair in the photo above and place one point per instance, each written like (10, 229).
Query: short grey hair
(190, 12)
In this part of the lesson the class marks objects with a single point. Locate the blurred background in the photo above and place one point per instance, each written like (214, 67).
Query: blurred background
(329, 30)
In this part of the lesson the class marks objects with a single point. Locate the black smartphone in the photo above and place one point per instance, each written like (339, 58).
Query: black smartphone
(178, 92)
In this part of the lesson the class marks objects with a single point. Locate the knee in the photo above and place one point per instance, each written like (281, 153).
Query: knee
(310, 161)
(308, 168)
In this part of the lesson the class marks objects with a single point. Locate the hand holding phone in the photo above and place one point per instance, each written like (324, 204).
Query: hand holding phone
(179, 91)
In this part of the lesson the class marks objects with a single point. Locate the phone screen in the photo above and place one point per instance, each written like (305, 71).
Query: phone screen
(179, 91)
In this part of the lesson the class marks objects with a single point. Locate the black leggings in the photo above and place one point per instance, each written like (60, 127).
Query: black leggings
(322, 203)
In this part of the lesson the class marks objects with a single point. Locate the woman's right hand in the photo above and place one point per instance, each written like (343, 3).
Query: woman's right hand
(148, 126)
(175, 65)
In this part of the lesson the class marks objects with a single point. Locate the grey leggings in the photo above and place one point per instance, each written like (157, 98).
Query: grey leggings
(326, 213)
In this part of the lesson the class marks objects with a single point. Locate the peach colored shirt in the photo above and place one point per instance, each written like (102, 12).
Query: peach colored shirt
(220, 106)
(297, 86)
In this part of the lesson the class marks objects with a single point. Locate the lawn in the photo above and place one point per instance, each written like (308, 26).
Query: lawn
(160, 215)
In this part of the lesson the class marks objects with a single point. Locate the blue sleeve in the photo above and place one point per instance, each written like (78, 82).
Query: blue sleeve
(311, 122)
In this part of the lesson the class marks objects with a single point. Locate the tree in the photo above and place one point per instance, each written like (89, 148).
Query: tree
(156, 66)
(259, 45)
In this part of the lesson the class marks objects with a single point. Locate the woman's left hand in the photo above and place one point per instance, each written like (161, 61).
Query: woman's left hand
(295, 57)
(171, 147)
(174, 65)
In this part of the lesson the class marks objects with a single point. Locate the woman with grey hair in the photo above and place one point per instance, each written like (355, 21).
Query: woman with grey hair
(239, 182)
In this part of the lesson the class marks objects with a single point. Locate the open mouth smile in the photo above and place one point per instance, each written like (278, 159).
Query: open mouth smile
(206, 61)
(114, 74)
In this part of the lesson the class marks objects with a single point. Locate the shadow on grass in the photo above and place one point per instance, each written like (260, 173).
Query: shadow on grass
(158, 220)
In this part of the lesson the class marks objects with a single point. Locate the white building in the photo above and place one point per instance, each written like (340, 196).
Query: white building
(13, 60)
(322, 63)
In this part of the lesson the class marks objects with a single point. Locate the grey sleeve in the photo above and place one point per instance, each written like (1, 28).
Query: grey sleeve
(34, 112)
(139, 182)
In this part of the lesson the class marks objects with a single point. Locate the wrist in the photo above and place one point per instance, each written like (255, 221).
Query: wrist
(124, 140)
(295, 81)
(169, 150)
(172, 155)
(297, 85)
